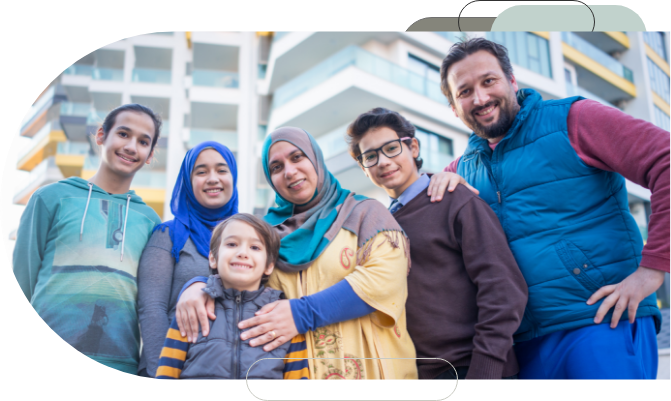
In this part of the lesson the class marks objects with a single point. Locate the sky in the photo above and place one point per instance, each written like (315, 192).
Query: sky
(13, 179)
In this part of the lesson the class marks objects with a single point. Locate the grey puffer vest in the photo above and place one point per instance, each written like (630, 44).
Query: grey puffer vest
(222, 354)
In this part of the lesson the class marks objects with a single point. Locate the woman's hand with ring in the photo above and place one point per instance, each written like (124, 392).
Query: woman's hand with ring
(273, 325)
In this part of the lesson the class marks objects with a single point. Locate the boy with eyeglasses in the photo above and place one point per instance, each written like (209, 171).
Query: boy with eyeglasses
(466, 295)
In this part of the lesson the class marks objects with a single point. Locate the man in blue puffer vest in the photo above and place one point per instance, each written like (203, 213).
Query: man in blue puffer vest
(553, 173)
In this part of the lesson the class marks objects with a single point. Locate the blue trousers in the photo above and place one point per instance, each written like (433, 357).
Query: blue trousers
(593, 352)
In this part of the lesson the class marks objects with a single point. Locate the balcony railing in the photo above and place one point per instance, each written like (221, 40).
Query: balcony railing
(572, 90)
(435, 150)
(75, 109)
(597, 55)
(151, 76)
(228, 138)
(279, 35)
(149, 179)
(333, 143)
(107, 74)
(39, 135)
(365, 61)
(40, 105)
(79, 69)
(526, 50)
(73, 148)
(218, 79)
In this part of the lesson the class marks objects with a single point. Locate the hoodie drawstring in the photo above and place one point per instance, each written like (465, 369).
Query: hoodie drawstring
(123, 236)
(81, 231)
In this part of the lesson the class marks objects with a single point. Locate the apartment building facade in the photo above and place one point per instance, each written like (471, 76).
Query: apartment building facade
(237, 87)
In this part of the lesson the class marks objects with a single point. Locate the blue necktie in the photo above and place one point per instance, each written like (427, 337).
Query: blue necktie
(395, 205)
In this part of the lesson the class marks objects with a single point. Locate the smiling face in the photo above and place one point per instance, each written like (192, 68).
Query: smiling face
(484, 99)
(127, 145)
(211, 180)
(395, 174)
(292, 173)
(242, 259)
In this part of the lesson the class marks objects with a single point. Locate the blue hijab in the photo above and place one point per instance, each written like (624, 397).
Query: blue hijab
(191, 218)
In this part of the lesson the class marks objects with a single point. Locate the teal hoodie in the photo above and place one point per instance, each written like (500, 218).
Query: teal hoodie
(76, 257)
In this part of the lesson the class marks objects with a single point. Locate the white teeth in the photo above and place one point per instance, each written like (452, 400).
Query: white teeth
(485, 112)
(296, 183)
(127, 159)
(212, 191)
(241, 266)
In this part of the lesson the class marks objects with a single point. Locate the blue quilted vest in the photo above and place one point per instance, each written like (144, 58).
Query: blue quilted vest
(568, 224)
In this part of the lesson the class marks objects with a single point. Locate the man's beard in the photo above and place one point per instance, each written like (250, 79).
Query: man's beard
(500, 127)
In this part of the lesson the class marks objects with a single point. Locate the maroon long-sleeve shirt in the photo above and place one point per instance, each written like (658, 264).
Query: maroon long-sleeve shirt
(608, 139)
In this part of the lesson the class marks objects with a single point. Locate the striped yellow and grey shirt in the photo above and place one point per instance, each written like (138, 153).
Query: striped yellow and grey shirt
(176, 348)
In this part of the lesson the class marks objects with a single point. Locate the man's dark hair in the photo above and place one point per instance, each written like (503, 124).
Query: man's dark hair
(110, 119)
(377, 118)
(461, 50)
(266, 233)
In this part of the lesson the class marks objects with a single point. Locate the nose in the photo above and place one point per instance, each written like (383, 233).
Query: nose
(130, 146)
(242, 252)
(289, 170)
(382, 159)
(481, 97)
(212, 177)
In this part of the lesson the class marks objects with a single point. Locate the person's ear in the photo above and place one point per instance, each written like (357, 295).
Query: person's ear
(513, 83)
(454, 110)
(151, 156)
(213, 262)
(100, 136)
(269, 269)
(414, 148)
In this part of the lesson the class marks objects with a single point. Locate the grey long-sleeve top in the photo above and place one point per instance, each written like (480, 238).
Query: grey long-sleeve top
(159, 280)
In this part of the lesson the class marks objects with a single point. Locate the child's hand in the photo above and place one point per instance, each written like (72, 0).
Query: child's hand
(193, 309)
(273, 325)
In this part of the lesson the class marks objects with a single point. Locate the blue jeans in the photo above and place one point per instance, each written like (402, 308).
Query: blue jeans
(628, 351)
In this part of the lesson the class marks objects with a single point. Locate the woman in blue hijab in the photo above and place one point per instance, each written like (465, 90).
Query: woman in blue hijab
(204, 195)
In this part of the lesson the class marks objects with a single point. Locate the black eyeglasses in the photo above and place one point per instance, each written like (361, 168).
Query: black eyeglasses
(390, 149)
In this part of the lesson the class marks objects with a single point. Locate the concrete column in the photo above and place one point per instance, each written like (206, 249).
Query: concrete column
(179, 105)
(557, 61)
(637, 61)
(247, 121)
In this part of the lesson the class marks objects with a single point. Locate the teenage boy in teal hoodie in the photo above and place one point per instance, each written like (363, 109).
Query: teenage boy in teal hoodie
(79, 243)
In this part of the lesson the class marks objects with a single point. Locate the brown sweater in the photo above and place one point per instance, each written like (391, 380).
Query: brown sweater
(466, 295)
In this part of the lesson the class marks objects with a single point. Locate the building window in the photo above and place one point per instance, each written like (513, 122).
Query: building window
(659, 81)
(435, 150)
(656, 41)
(526, 50)
(662, 119)
(423, 68)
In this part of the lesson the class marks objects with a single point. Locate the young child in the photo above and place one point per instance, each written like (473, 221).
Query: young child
(79, 243)
(243, 252)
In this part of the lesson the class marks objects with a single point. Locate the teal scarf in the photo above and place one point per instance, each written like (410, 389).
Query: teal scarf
(306, 234)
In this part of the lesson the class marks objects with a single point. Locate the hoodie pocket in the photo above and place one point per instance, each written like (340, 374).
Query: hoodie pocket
(579, 266)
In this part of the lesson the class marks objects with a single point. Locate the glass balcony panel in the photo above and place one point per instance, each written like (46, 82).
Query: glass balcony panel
(365, 61)
(46, 97)
(661, 119)
(597, 55)
(435, 150)
(228, 138)
(41, 134)
(152, 76)
(218, 79)
(79, 69)
(107, 74)
(149, 179)
(165, 128)
(572, 90)
(278, 35)
(526, 50)
(95, 117)
(333, 143)
(75, 109)
(73, 148)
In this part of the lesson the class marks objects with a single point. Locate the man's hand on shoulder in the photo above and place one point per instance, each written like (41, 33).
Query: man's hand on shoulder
(446, 181)
(626, 295)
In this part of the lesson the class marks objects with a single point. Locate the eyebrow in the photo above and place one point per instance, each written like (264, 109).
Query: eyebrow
(480, 77)
(234, 236)
(205, 165)
(270, 163)
(123, 127)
